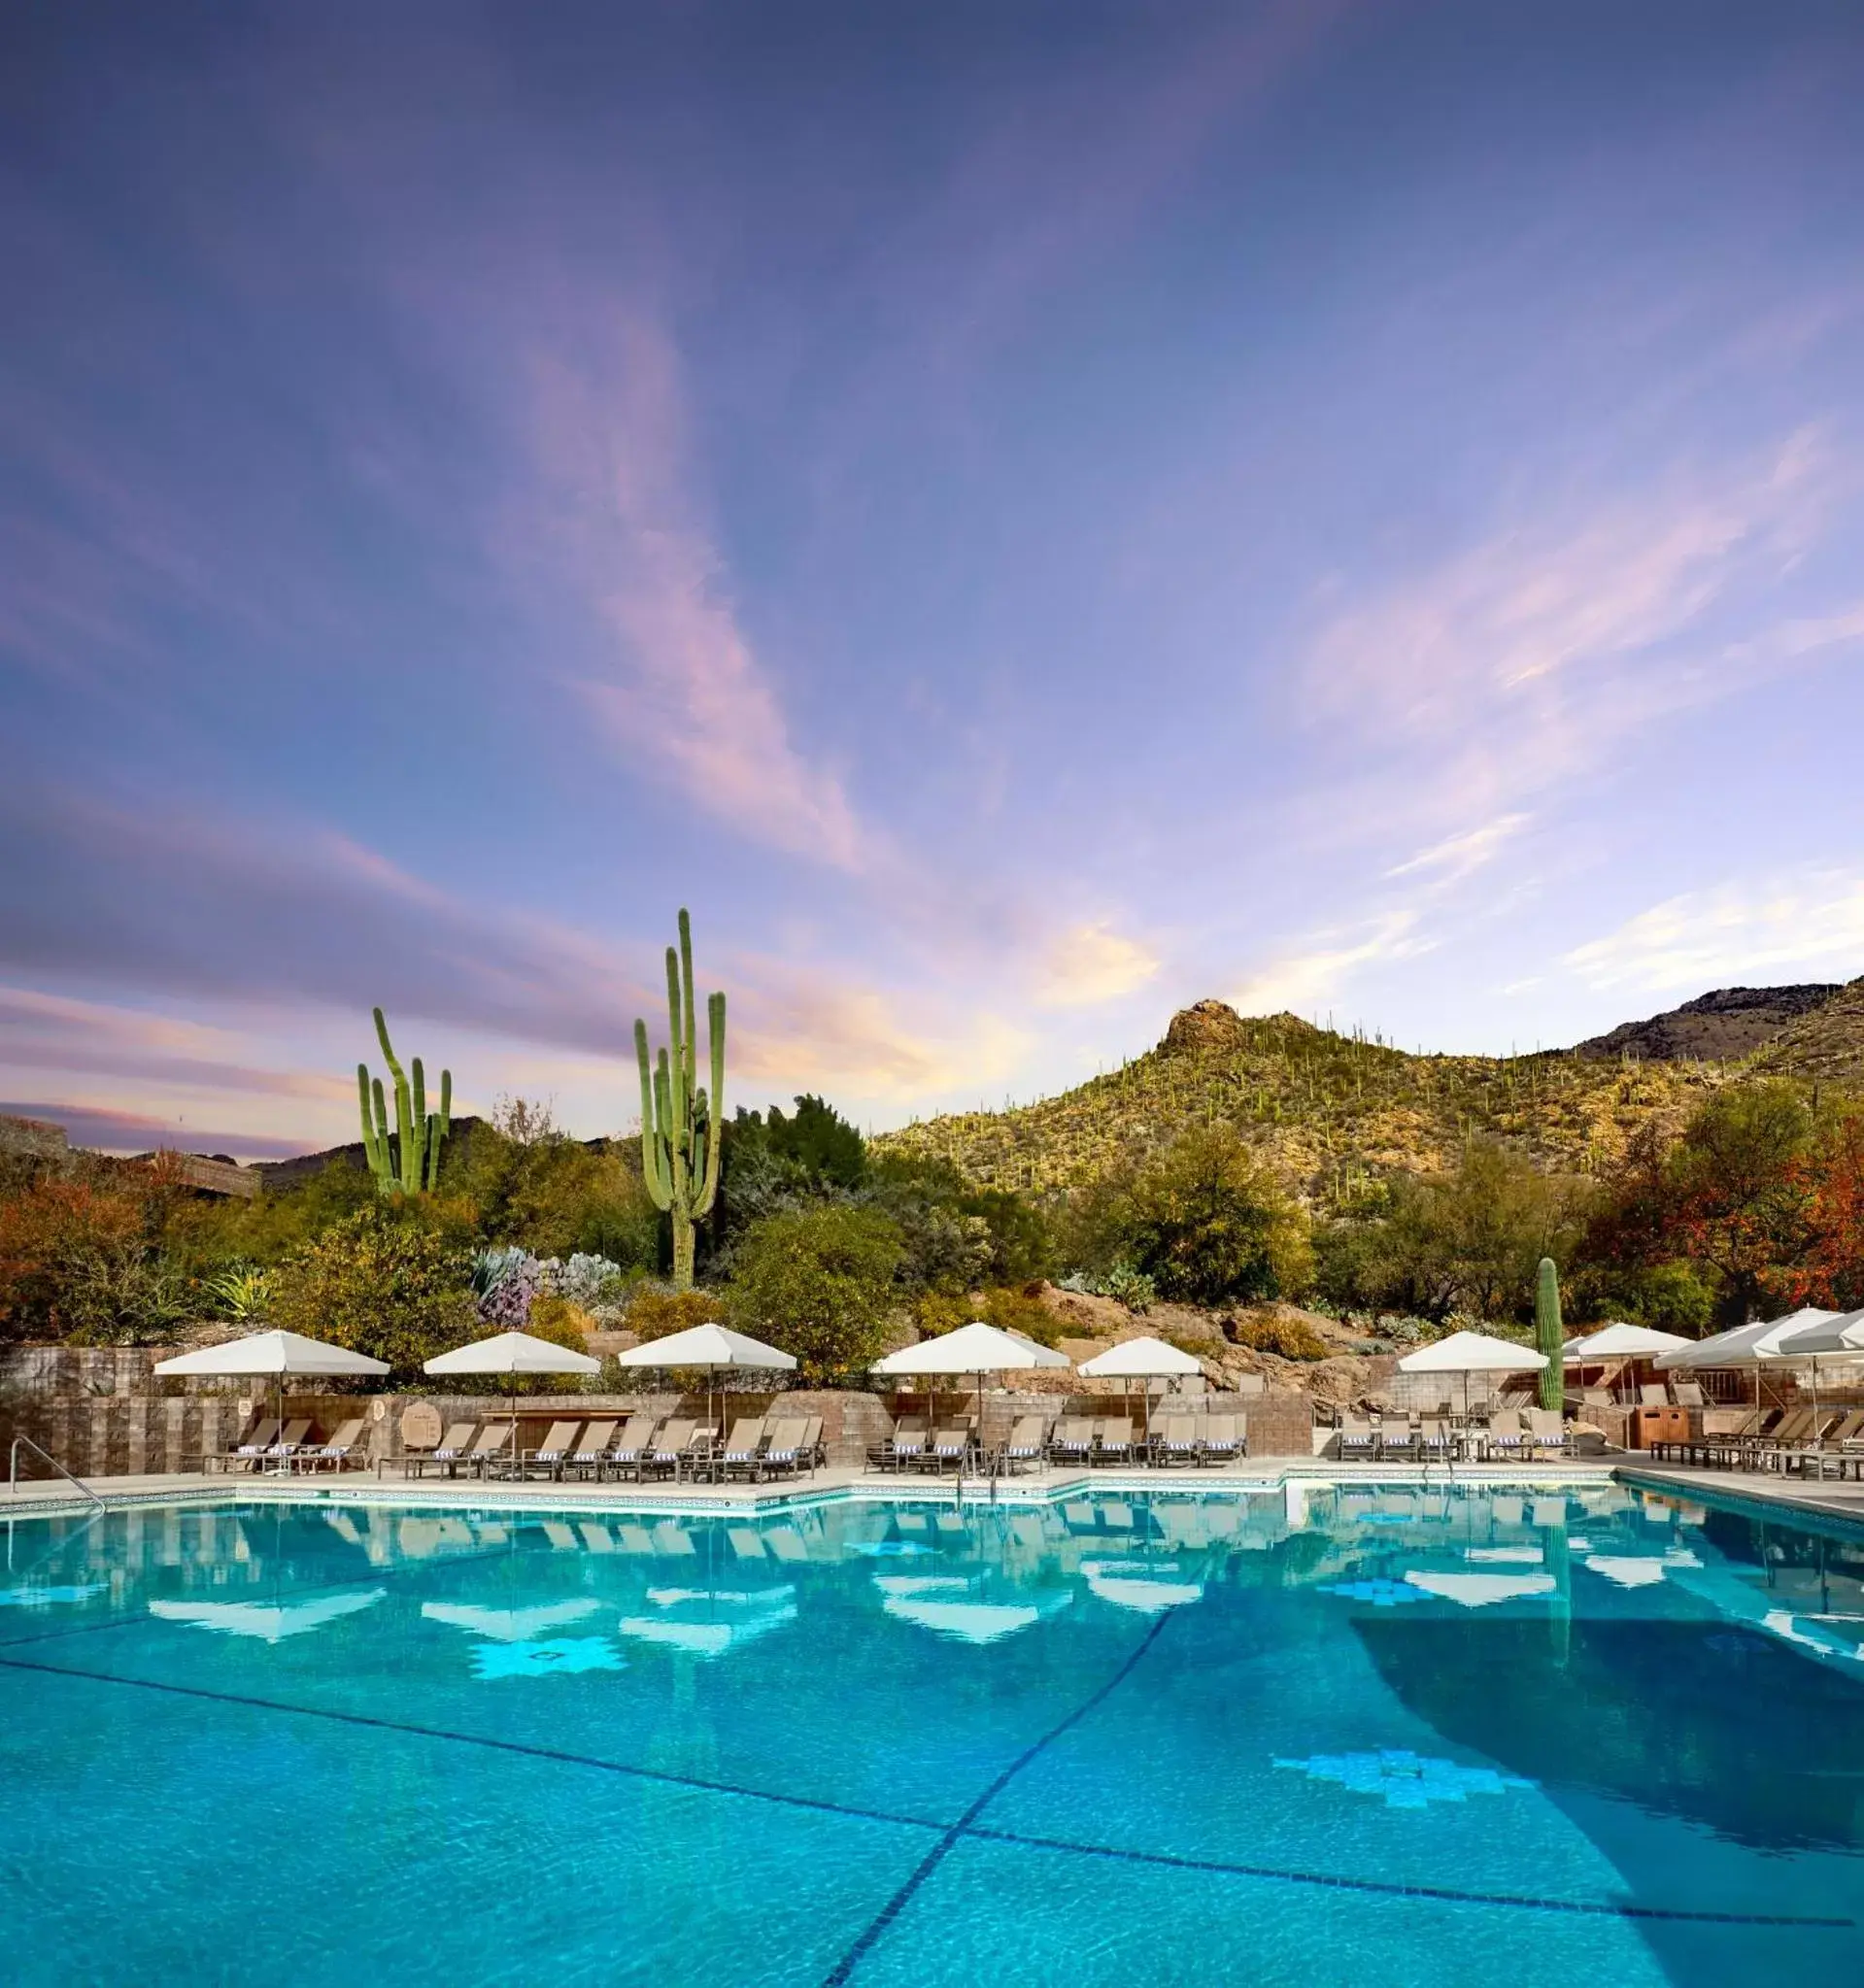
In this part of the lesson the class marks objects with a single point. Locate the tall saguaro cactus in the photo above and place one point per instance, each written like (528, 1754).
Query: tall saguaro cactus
(681, 1123)
(1549, 1334)
(420, 1133)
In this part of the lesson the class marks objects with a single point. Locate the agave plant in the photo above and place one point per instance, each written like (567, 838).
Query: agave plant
(242, 1294)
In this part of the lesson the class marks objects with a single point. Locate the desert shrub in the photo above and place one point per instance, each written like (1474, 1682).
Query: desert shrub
(382, 1285)
(81, 1257)
(1012, 1308)
(526, 1181)
(1019, 1309)
(819, 1283)
(654, 1311)
(1290, 1338)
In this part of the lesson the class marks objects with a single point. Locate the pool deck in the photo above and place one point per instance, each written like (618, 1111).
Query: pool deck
(1289, 1476)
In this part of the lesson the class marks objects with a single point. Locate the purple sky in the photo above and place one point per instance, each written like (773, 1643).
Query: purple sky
(1021, 517)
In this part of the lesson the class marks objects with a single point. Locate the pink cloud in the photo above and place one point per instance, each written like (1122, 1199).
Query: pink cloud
(675, 683)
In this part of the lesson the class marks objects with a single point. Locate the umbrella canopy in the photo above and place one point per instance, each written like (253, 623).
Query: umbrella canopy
(512, 1353)
(705, 1346)
(1473, 1353)
(1141, 1359)
(976, 1348)
(1621, 1342)
(274, 1353)
(1748, 1345)
(1834, 1338)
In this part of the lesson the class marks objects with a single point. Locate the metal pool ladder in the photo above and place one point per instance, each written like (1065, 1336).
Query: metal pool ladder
(12, 1470)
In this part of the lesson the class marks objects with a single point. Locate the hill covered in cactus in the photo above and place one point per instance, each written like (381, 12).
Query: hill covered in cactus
(1337, 1112)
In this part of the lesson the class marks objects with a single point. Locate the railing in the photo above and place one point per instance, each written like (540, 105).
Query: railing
(12, 1470)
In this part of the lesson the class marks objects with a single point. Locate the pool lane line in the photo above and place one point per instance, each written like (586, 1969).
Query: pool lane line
(864, 1944)
(964, 1826)
(557, 1756)
(1395, 1888)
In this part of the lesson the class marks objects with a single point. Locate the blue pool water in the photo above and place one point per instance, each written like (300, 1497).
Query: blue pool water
(1351, 1736)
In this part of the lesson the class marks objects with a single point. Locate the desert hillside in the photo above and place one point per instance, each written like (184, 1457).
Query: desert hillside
(1336, 1111)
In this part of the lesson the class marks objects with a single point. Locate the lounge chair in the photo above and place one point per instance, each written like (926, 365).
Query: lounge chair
(449, 1453)
(1689, 1394)
(786, 1447)
(1224, 1438)
(1435, 1437)
(1357, 1438)
(905, 1445)
(1072, 1441)
(1175, 1440)
(1830, 1447)
(1398, 1438)
(245, 1450)
(668, 1451)
(1547, 1433)
(553, 1452)
(1021, 1448)
(490, 1449)
(950, 1446)
(289, 1443)
(1506, 1434)
(1113, 1439)
(336, 1452)
(813, 1452)
(742, 1448)
(633, 1444)
(1653, 1395)
(592, 1450)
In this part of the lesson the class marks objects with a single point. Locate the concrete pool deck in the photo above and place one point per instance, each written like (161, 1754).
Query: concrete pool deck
(1291, 1477)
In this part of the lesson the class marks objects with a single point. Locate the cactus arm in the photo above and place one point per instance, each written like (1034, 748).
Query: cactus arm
(675, 1123)
(691, 1034)
(652, 1163)
(376, 1153)
(715, 1107)
(421, 1097)
(442, 1123)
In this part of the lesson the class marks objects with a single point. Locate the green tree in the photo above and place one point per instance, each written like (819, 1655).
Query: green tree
(819, 1283)
(1470, 1241)
(381, 1283)
(1211, 1223)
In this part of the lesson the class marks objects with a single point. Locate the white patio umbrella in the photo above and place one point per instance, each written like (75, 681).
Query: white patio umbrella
(1839, 1338)
(712, 1347)
(1757, 1344)
(511, 1354)
(1143, 1359)
(1621, 1342)
(273, 1353)
(975, 1349)
(1468, 1353)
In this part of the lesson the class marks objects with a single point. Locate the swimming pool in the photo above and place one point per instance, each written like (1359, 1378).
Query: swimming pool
(1321, 1734)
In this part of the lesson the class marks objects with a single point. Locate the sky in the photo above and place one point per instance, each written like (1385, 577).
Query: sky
(1023, 517)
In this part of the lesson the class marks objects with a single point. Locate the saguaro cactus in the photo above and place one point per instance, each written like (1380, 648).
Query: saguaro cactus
(1549, 1334)
(420, 1133)
(681, 1124)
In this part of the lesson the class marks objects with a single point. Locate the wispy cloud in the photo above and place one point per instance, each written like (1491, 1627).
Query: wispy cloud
(1808, 922)
(1311, 975)
(1591, 619)
(681, 691)
(1457, 856)
(1090, 963)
